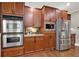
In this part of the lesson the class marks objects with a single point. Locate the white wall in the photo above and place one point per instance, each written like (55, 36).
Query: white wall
(75, 24)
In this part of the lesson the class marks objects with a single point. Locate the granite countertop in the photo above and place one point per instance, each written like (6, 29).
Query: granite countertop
(31, 35)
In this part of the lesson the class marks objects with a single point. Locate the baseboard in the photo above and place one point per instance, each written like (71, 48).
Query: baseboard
(76, 44)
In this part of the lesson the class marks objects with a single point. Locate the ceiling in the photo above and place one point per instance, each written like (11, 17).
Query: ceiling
(74, 6)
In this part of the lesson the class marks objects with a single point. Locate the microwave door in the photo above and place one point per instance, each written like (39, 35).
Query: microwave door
(48, 26)
(52, 26)
(12, 26)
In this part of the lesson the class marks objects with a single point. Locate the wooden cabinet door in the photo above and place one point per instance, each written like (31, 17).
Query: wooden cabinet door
(7, 8)
(28, 44)
(46, 40)
(19, 8)
(28, 17)
(53, 15)
(69, 17)
(52, 40)
(49, 13)
(64, 15)
(37, 18)
(39, 43)
(58, 14)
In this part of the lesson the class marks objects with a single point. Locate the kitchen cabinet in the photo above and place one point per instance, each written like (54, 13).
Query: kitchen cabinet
(13, 8)
(69, 16)
(50, 40)
(28, 17)
(19, 8)
(32, 17)
(73, 38)
(58, 14)
(39, 42)
(46, 41)
(7, 8)
(0, 24)
(37, 18)
(33, 43)
(64, 15)
(10, 52)
(49, 13)
(28, 44)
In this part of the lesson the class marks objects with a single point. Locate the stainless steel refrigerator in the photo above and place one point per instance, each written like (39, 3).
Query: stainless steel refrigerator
(63, 40)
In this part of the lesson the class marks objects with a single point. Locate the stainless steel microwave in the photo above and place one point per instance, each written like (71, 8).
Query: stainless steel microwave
(12, 26)
(49, 26)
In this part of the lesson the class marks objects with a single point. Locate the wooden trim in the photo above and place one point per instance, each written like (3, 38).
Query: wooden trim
(8, 52)
(48, 7)
(33, 51)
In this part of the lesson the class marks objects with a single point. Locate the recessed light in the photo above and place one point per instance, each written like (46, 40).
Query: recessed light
(68, 4)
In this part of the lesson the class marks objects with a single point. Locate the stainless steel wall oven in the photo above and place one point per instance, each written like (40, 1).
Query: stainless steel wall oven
(12, 33)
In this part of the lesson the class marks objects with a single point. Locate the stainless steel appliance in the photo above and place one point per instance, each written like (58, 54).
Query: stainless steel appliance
(63, 41)
(11, 40)
(12, 34)
(14, 25)
(49, 26)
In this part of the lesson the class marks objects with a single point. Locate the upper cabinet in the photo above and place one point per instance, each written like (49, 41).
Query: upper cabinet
(28, 17)
(37, 18)
(69, 16)
(7, 8)
(64, 15)
(19, 8)
(32, 17)
(58, 14)
(13, 8)
(49, 13)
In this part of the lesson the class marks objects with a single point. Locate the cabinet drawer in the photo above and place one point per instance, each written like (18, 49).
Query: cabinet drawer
(28, 44)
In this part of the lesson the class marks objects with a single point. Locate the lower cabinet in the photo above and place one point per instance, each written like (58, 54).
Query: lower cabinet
(46, 41)
(28, 44)
(39, 43)
(36, 43)
(50, 40)
(10, 52)
(33, 43)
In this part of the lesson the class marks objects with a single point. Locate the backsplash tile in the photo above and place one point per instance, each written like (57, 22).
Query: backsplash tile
(32, 30)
